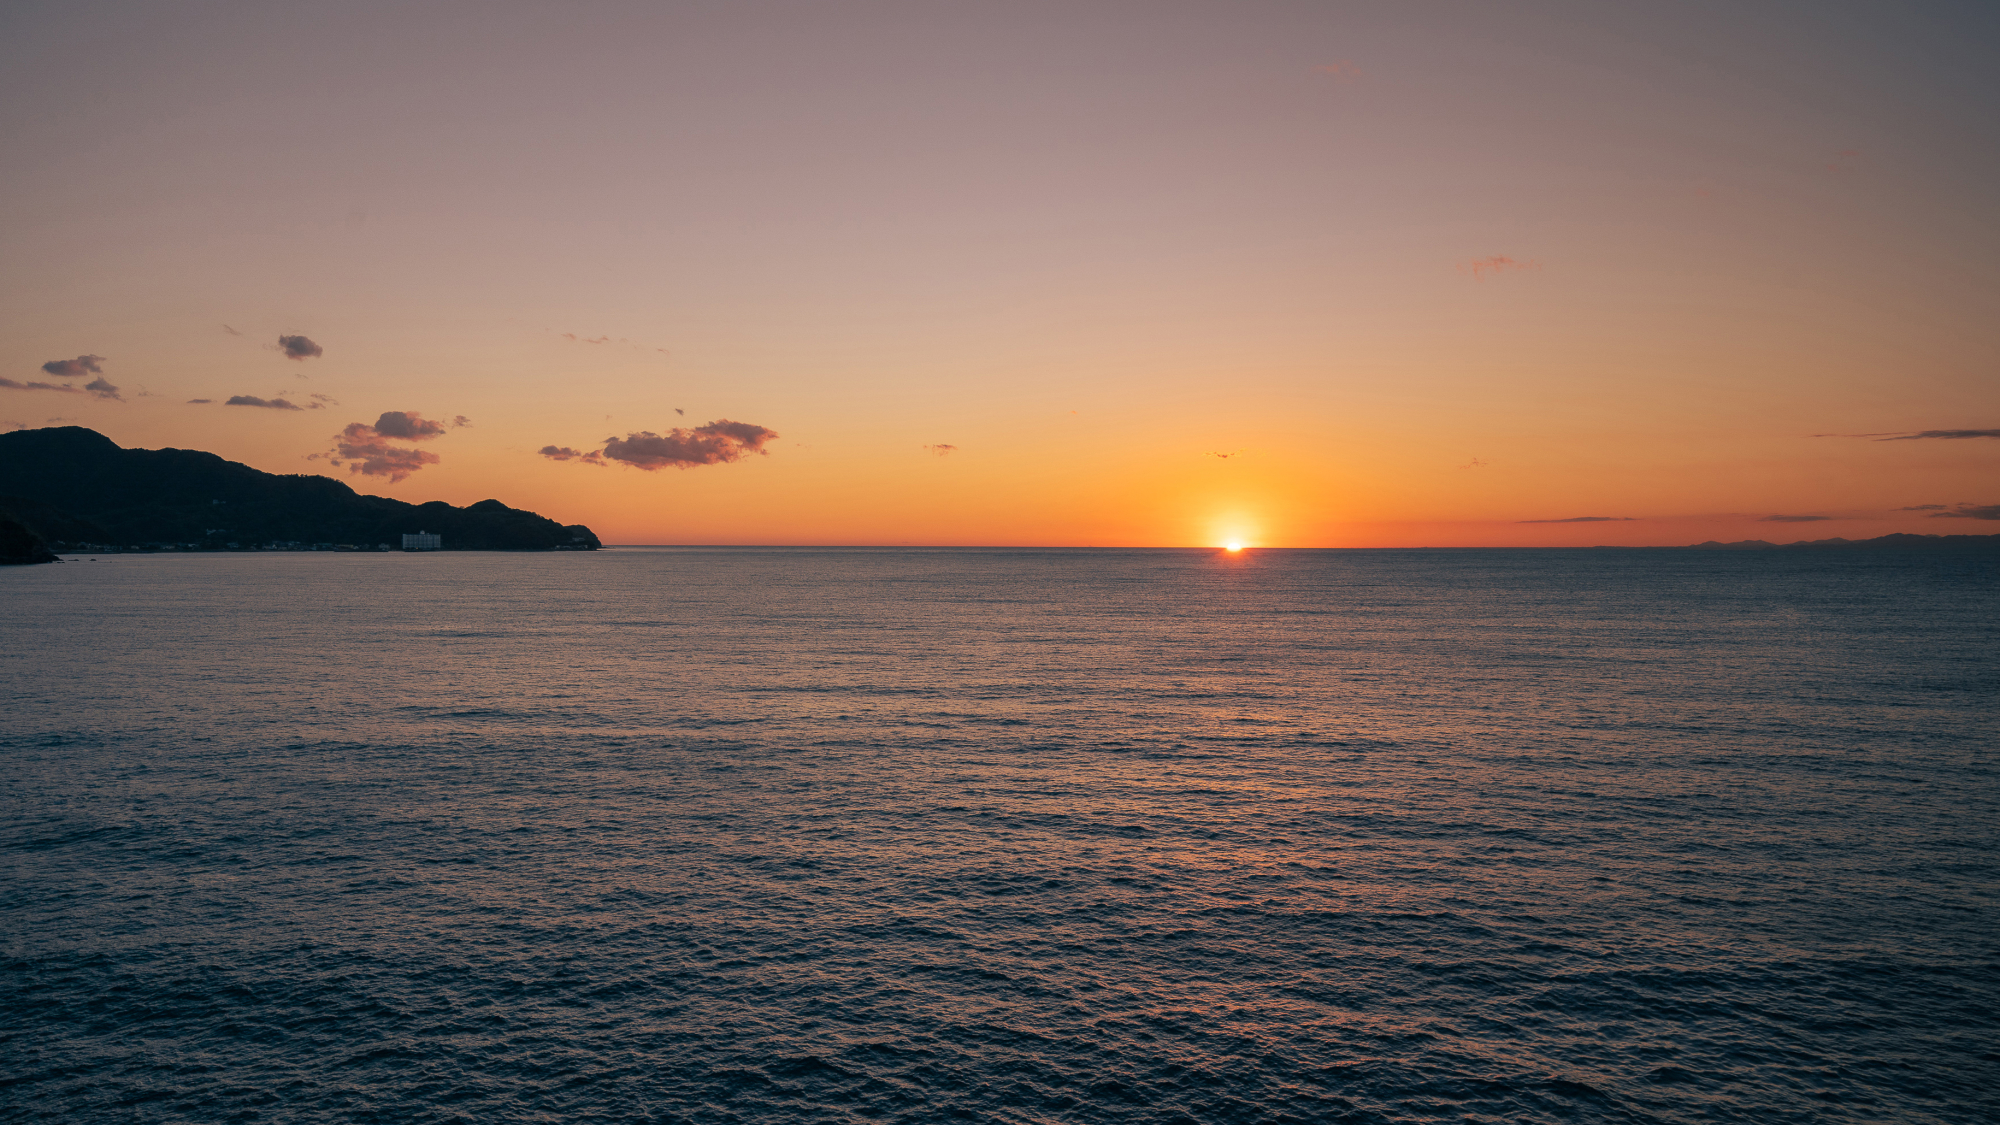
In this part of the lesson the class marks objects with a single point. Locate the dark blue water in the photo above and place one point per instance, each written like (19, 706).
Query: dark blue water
(911, 836)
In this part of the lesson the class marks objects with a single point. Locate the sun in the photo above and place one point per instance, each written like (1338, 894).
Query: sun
(1232, 545)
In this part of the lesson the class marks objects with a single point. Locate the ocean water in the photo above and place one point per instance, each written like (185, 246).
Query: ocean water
(767, 836)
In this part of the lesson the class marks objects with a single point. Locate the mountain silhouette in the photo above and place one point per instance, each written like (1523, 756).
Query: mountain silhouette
(76, 488)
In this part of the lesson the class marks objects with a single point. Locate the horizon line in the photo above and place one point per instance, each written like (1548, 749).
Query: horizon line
(1244, 550)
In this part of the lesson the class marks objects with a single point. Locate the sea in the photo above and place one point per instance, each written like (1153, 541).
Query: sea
(771, 835)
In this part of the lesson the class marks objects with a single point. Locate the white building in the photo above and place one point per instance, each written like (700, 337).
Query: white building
(423, 541)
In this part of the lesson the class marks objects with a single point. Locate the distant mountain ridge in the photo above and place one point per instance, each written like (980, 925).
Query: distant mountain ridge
(1897, 539)
(74, 488)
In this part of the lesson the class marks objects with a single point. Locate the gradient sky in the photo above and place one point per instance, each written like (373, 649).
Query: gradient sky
(1422, 271)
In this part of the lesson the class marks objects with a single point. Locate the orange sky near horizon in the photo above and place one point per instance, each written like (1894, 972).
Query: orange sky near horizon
(1430, 274)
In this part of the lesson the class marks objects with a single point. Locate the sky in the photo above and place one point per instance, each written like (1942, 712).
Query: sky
(1079, 273)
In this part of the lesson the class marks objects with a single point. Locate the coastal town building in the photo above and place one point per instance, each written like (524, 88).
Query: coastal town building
(423, 541)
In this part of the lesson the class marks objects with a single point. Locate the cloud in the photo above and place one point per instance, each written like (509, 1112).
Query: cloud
(74, 368)
(298, 347)
(1922, 508)
(574, 338)
(365, 449)
(718, 442)
(1913, 435)
(231, 331)
(199, 401)
(460, 422)
(1587, 519)
(369, 455)
(327, 399)
(266, 403)
(1499, 263)
(1794, 519)
(98, 388)
(941, 449)
(406, 424)
(1970, 512)
(1944, 434)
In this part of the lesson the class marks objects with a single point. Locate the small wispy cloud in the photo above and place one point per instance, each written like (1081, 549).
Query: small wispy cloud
(1923, 508)
(75, 368)
(267, 403)
(460, 422)
(1587, 519)
(298, 347)
(1225, 456)
(1919, 435)
(1498, 264)
(1970, 512)
(565, 453)
(623, 341)
(941, 449)
(231, 331)
(199, 401)
(1948, 435)
(1794, 519)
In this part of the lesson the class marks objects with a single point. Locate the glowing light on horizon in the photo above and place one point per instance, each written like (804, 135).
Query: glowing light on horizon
(1232, 545)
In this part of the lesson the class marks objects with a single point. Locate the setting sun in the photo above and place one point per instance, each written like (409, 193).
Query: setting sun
(1232, 546)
